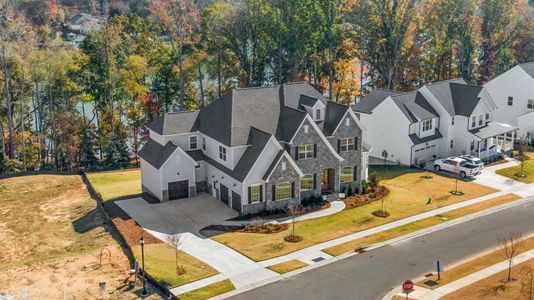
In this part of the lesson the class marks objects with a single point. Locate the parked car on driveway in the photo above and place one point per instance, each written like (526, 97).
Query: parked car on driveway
(473, 160)
(456, 165)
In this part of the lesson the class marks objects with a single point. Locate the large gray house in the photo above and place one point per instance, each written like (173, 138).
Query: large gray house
(256, 149)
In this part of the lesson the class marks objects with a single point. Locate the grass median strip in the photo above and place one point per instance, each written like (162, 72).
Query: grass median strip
(492, 288)
(418, 225)
(473, 266)
(116, 184)
(209, 291)
(160, 263)
(409, 193)
(287, 266)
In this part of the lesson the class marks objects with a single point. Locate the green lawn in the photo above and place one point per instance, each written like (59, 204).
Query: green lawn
(160, 263)
(528, 170)
(209, 291)
(116, 184)
(409, 193)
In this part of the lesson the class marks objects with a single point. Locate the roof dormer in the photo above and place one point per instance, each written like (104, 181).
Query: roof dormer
(314, 107)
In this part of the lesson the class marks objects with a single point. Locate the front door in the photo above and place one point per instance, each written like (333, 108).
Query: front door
(326, 179)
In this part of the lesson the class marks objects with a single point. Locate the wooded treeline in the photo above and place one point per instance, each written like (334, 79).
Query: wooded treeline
(68, 108)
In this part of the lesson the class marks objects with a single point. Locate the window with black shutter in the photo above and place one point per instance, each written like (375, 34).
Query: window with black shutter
(314, 181)
(274, 192)
(297, 153)
(338, 146)
(355, 173)
(249, 195)
(293, 189)
(314, 150)
(355, 143)
(261, 193)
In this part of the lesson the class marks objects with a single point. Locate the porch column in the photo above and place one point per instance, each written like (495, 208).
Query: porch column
(513, 138)
(478, 142)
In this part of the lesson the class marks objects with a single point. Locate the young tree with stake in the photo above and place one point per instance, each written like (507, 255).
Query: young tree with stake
(509, 246)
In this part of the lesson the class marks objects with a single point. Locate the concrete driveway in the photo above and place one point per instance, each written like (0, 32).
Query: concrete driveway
(188, 216)
(178, 216)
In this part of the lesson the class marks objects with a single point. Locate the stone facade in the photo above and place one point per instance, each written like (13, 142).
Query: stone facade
(351, 158)
(278, 176)
(324, 159)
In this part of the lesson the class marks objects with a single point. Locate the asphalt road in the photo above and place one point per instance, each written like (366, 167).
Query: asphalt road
(371, 275)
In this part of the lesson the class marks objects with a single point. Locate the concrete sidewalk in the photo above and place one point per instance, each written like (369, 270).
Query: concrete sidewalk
(335, 207)
(315, 252)
(494, 180)
(428, 294)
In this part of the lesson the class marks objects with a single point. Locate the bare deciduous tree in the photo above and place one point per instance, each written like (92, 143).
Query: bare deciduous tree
(294, 211)
(509, 246)
(176, 241)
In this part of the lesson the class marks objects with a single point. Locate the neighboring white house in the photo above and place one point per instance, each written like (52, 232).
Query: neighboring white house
(256, 149)
(513, 92)
(438, 120)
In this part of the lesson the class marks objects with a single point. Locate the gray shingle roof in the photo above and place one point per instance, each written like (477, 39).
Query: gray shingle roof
(492, 129)
(276, 110)
(529, 68)
(273, 164)
(371, 101)
(156, 154)
(414, 106)
(416, 140)
(333, 115)
(175, 122)
(456, 96)
(292, 92)
(257, 140)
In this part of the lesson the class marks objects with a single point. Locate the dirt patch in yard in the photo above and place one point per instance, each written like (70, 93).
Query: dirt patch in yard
(52, 234)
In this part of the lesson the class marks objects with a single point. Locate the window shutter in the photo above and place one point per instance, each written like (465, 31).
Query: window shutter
(355, 178)
(355, 143)
(261, 193)
(314, 181)
(338, 146)
(297, 153)
(274, 192)
(249, 195)
(314, 150)
(293, 189)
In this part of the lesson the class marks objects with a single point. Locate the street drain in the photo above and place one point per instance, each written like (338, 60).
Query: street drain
(318, 259)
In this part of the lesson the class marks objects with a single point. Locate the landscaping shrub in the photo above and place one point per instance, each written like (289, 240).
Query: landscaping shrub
(374, 180)
(365, 186)
(258, 225)
(312, 200)
(372, 195)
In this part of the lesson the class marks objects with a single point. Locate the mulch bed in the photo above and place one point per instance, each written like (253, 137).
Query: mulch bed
(279, 214)
(131, 232)
(259, 229)
(371, 196)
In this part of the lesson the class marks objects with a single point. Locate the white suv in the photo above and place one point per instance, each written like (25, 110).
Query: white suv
(457, 165)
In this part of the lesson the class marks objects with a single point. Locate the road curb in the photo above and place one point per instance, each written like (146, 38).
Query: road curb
(398, 289)
(406, 237)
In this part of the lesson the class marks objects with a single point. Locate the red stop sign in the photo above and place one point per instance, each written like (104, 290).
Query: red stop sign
(407, 286)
